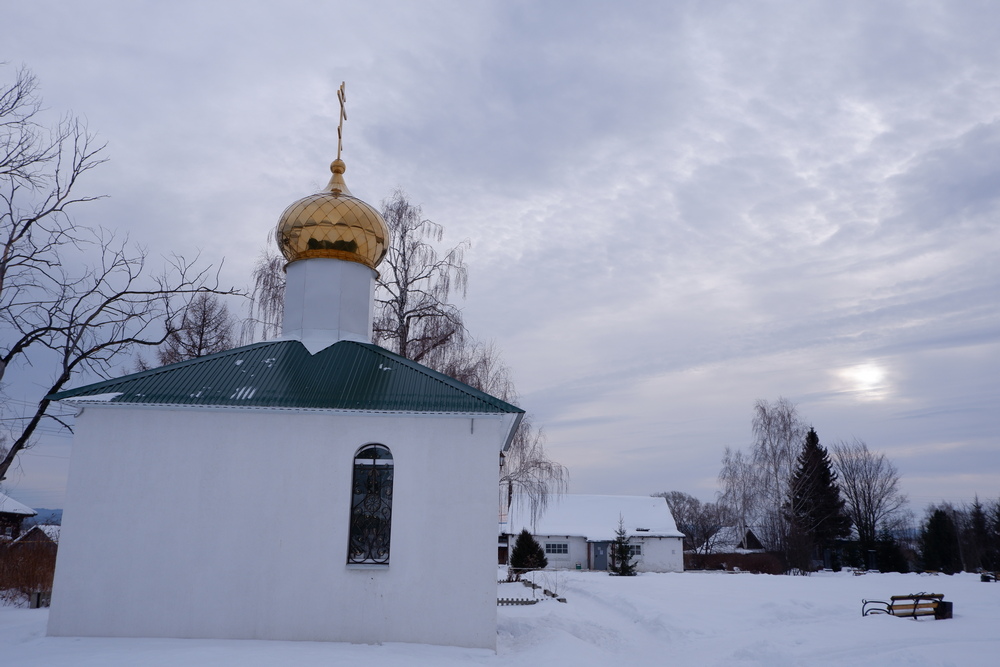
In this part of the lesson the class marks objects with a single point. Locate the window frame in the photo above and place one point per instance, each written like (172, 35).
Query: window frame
(557, 548)
(370, 521)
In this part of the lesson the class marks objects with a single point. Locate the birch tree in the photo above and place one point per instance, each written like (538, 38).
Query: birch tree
(739, 490)
(778, 434)
(414, 314)
(267, 298)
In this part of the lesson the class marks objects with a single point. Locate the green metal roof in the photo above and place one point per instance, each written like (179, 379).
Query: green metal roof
(283, 374)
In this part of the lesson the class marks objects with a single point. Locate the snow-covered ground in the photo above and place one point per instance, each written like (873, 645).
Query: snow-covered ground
(652, 619)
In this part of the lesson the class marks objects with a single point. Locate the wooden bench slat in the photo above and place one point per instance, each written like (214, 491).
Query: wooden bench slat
(920, 610)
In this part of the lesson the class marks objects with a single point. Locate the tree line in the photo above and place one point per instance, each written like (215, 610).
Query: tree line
(810, 506)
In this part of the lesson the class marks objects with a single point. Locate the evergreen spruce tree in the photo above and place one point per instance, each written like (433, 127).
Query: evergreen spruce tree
(939, 543)
(889, 555)
(621, 554)
(527, 555)
(979, 537)
(815, 509)
(992, 559)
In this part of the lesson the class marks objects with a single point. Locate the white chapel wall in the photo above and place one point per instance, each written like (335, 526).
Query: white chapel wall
(212, 523)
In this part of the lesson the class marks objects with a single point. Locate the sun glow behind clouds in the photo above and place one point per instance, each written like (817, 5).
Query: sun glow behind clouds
(867, 381)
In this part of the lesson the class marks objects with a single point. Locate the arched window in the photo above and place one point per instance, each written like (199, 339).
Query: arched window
(371, 506)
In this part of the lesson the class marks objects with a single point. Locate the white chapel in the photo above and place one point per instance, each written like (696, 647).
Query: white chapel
(312, 487)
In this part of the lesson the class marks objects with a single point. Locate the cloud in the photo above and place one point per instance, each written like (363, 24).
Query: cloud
(674, 208)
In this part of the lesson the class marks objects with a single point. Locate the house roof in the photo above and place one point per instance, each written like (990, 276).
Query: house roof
(596, 517)
(50, 531)
(10, 506)
(728, 539)
(283, 374)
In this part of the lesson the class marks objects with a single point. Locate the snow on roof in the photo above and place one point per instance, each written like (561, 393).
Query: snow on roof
(51, 531)
(728, 539)
(94, 398)
(596, 517)
(10, 506)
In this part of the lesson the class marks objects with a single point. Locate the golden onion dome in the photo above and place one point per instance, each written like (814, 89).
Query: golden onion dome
(333, 223)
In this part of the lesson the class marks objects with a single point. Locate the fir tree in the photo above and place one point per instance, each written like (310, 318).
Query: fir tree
(621, 554)
(992, 559)
(889, 554)
(939, 543)
(527, 554)
(979, 537)
(815, 509)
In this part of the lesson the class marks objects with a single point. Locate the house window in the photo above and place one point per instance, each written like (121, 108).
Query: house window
(371, 506)
(634, 550)
(556, 548)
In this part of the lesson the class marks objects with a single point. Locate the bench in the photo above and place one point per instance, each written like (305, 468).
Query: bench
(988, 576)
(909, 606)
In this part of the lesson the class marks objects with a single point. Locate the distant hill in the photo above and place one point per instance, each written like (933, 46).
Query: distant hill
(45, 516)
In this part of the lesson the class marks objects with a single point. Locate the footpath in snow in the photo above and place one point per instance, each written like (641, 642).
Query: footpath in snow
(691, 618)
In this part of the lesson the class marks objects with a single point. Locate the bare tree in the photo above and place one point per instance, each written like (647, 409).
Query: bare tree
(739, 494)
(267, 299)
(478, 365)
(756, 486)
(78, 319)
(414, 317)
(204, 327)
(39, 169)
(778, 436)
(870, 484)
(528, 475)
(700, 522)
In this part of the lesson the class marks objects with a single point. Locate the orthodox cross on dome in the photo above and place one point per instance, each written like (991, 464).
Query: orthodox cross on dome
(343, 116)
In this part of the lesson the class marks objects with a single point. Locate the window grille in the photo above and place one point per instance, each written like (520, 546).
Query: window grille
(371, 506)
(556, 548)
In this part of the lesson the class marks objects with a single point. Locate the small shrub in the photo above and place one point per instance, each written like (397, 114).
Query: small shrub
(527, 555)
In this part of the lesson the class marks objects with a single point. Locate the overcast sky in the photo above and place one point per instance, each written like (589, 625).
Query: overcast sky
(675, 208)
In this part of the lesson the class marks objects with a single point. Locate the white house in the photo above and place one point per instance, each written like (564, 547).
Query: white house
(576, 531)
(314, 487)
